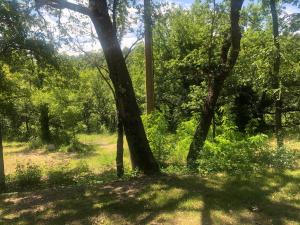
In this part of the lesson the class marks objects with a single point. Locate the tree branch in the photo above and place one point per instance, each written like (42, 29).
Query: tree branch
(235, 31)
(107, 82)
(62, 4)
(130, 48)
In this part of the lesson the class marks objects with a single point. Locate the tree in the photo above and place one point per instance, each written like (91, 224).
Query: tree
(149, 57)
(276, 75)
(229, 54)
(119, 75)
(2, 174)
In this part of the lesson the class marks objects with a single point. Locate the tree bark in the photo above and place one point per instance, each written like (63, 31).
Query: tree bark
(276, 76)
(120, 139)
(120, 150)
(138, 144)
(128, 108)
(214, 126)
(2, 174)
(149, 57)
(200, 135)
(44, 123)
(229, 54)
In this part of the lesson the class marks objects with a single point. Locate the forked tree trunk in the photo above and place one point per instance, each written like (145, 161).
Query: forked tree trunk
(229, 54)
(149, 57)
(44, 124)
(2, 174)
(276, 76)
(128, 108)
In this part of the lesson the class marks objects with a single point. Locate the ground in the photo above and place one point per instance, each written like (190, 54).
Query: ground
(269, 198)
(99, 159)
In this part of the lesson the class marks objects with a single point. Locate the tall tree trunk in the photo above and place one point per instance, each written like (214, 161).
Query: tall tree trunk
(229, 54)
(149, 57)
(120, 149)
(136, 137)
(2, 174)
(276, 76)
(44, 123)
(128, 108)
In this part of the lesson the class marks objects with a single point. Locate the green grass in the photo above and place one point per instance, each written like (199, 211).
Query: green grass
(272, 197)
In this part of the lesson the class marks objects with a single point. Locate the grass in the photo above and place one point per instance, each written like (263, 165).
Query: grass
(102, 157)
(269, 199)
(272, 197)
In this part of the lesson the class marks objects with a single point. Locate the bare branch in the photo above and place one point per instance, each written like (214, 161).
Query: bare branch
(107, 82)
(131, 47)
(99, 68)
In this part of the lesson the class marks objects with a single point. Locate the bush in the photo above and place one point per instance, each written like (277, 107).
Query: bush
(182, 140)
(236, 153)
(60, 137)
(63, 175)
(28, 175)
(35, 143)
(230, 151)
(156, 129)
(282, 158)
(76, 146)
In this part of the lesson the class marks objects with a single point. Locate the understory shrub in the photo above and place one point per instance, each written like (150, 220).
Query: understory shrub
(237, 153)
(28, 175)
(60, 175)
(156, 129)
(35, 143)
(64, 175)
(60, 137)
(230, 151)
(182, 140)
(233, 154)
(76, 146)
(282, 158)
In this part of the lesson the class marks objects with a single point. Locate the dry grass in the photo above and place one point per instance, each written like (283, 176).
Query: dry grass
(99, 160)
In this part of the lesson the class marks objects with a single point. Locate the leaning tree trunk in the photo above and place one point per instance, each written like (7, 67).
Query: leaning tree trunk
(2, 174)
(276, 76)
(229, 54)
(44, 123)
(200, 135)
(136, 137)
(128, 108)
(149, 57)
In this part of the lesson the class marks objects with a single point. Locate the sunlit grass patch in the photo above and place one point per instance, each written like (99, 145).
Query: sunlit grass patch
(104, 139)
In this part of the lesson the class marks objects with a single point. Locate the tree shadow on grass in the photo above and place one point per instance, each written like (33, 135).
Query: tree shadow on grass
(145, 200)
